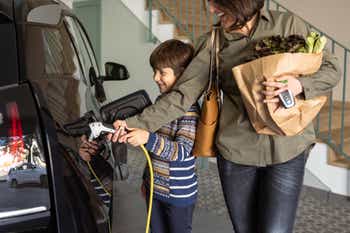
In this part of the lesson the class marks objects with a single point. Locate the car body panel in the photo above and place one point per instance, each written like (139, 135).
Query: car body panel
(6, 7)
(58, 91)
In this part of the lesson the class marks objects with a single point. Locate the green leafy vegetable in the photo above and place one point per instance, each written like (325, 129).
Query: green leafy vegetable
(320, 44)
(314, 43)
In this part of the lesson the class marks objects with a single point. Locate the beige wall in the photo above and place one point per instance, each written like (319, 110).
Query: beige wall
(124, 40)
(333, 17)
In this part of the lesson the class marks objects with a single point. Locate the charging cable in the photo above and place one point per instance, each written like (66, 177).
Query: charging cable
(149, 212)
(150, 167)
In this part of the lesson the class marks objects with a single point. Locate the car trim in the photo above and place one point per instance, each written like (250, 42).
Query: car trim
(47, 14)
(16, 213)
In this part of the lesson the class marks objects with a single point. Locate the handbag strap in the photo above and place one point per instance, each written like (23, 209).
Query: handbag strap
(211, 65)
(214, 62)
(217, 49)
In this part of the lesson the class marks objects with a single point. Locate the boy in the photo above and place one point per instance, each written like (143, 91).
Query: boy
(175, 181)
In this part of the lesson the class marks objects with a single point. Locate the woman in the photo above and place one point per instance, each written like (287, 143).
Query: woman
(261, 175)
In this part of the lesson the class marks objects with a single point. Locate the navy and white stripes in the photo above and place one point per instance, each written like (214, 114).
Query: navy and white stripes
(105, 198)
(175, 179)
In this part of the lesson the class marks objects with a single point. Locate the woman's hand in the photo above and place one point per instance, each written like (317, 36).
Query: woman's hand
(281, 84)
(119, 126)
(87, 149)
(136, 137)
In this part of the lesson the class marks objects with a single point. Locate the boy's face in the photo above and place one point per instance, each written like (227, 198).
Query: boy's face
(165, 79)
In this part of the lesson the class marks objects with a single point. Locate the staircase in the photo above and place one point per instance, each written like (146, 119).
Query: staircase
(191, 18)
(180, 19)
(333, 118)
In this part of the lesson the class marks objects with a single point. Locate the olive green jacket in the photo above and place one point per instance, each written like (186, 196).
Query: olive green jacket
(236, 139)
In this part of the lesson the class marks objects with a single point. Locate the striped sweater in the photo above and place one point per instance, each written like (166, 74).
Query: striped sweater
(175, 180)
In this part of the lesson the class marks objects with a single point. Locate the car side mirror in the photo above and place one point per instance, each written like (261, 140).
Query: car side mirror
(115, 71)
(100, 94)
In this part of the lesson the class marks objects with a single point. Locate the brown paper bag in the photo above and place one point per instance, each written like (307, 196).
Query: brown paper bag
(272, 118)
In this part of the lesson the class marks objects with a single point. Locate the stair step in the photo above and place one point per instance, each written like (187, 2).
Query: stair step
(196, 31)
(189, 6)
(192, 17)
(204, 22)
(339, 161)
(336, 116)
(335, 159)
(336, 134)
(195, 18)
(337, 106)
(192, 27)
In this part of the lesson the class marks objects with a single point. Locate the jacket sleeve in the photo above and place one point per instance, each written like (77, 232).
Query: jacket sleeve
(329, 74)
(181, 147)
(185, 93)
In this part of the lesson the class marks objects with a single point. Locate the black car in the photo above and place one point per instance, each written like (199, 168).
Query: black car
(49, 78)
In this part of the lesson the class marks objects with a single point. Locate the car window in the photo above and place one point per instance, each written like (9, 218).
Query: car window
(23, 190)
(59, 57)
(83, 47)
(51, 54)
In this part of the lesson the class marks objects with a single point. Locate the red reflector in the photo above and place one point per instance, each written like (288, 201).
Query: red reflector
(15, 132)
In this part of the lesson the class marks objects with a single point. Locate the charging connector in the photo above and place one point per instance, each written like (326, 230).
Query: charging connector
(97, 128)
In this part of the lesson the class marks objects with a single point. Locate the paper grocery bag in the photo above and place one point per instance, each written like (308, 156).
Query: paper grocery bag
(273, 118)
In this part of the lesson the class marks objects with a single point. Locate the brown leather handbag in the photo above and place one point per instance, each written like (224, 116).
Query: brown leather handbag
(204, 145)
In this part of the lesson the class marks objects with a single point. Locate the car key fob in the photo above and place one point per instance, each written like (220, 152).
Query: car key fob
(287, 99)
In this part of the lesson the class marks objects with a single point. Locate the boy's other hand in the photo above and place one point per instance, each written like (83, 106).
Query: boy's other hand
(136, 137)
(119, 126)
(87, 149)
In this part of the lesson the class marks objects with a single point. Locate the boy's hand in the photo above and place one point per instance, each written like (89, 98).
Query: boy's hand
(135, 137)
(87, 149)
(119, 126)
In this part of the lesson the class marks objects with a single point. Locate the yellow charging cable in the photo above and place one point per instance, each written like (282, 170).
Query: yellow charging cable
(150, 167)
(149, 213)
(98, 180)
(103, 187)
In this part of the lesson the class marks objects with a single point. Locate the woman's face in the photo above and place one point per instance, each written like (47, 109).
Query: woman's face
(226, 19)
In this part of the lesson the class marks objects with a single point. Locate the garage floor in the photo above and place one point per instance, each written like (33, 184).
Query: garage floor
(319, 212)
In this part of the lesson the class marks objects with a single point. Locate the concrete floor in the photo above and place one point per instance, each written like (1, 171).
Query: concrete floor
(319, 211)
(132, 214)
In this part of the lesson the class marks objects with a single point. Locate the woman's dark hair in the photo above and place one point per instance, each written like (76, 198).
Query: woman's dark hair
(241, 10)
(173, 54)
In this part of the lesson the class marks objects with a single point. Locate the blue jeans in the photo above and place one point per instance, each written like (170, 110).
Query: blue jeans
(262, 199)
(167, 218)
